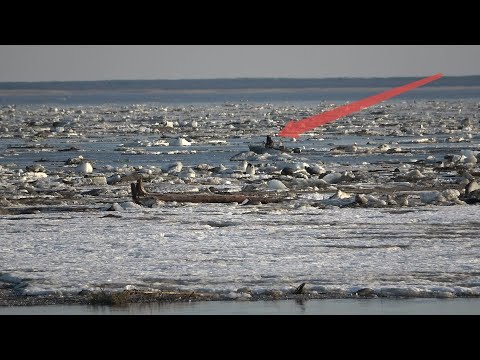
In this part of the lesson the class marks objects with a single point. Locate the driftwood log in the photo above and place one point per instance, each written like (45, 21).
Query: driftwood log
(142, 197)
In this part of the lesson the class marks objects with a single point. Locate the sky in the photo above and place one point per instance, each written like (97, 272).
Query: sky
(137, 62)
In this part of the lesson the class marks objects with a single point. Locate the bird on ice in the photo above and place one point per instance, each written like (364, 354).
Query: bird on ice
(250, 170)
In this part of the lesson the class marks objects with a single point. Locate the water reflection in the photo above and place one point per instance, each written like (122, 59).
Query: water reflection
(459, 306)
(301, 304)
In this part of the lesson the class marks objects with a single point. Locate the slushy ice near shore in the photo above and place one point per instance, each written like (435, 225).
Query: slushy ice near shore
(384, 200)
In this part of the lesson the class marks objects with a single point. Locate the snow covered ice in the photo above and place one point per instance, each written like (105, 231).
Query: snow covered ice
(427, 251)
(382, 202)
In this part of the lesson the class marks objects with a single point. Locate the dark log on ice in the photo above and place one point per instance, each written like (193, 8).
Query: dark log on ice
(141, 196)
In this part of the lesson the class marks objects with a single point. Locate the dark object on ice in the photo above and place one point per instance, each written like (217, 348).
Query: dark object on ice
(269, 143)
(287, 171)
(71, 148)
(471, 186)
(299, 289)
(35, 168)
(142, 197)
(472, 193)
(269, 146)
(365, 292)
(311, 171)
(261, 149)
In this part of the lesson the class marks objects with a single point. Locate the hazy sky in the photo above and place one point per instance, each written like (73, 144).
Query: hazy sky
(117, 62)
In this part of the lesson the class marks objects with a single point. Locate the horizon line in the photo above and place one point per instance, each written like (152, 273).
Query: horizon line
(237, 78)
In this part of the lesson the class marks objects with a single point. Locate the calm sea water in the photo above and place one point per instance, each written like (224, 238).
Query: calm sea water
(230, 90)
(281, 307)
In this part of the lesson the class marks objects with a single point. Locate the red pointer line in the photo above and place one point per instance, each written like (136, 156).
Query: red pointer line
(295, 128)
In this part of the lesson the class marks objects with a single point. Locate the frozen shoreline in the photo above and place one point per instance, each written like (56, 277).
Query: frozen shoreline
(118, 299)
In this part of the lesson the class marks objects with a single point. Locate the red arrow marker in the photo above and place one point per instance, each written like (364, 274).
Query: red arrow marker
(295, 128)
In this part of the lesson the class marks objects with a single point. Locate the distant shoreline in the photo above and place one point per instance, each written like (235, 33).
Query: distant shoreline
(59, 92)
(240, 83)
